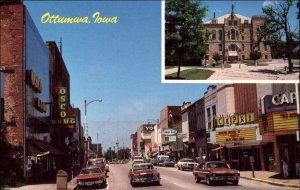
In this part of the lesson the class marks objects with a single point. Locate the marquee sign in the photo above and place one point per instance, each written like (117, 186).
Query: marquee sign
(235, 119)
(236, 135)
(279, 102)
(285, 120)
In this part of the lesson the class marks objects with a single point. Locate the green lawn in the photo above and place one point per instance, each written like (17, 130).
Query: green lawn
(192, 74)
(170, 67)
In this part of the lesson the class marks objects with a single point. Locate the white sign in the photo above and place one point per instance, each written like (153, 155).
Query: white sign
(280, 99)
(181, 135)
(170, 139)
(169, 132)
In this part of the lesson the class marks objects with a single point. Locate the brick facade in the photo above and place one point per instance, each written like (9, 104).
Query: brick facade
(11, 58)
(233, 36)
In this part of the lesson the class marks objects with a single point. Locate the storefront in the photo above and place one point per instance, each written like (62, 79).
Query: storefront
(238, 138)
(280, 126)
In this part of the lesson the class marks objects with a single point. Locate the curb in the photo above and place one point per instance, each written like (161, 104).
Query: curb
(271, 182)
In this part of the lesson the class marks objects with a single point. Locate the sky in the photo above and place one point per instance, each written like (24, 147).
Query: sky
(120, 63)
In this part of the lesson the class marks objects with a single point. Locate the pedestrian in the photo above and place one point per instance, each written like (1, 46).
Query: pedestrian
(297, 166)
(285, 167)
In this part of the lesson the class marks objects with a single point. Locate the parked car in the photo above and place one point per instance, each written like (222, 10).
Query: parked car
(154, 162)
(216, 171)
(161, 162)
(168, 162)
(186, 163)
(91, 176)
(143, 173)
(98, 162)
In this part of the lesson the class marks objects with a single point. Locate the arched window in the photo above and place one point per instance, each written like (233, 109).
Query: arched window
(237, 35)
(220, 35)
(232, 34)
(214, 33)
(232, 47)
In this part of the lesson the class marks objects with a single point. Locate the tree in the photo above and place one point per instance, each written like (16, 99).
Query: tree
(217, 57)
(185, 34)
(277, 20)
(276, 44)
(255, 55)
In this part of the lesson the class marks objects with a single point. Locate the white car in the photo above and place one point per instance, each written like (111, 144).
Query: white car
(186, 163)
(138, 159)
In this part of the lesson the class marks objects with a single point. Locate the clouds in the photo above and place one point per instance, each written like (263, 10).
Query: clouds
(269, 3)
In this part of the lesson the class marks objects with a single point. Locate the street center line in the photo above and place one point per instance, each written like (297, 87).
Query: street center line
(179, 185)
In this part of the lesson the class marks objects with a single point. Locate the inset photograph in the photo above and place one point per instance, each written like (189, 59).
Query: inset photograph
(233, 41)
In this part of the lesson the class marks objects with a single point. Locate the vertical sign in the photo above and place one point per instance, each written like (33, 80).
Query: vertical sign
(62, 102)
(234, 119)
(242, 119)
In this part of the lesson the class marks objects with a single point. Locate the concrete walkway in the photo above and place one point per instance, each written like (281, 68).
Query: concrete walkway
(266, 177)
(275, 70)
(71, 185)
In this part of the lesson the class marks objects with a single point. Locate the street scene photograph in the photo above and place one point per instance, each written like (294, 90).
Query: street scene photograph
(83, 104)
(231, 40)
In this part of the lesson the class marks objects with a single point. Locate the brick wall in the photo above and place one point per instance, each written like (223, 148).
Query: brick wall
(11, 57)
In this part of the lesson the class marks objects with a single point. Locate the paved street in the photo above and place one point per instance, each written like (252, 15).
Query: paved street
(173, 179)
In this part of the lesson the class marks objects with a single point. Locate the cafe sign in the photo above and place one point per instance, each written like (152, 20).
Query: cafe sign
(240, 119)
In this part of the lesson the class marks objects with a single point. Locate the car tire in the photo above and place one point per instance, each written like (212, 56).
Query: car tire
(178, 167)
(197, 179)
(235, 182)
(181, 168)
(157, 183)
(208, 181)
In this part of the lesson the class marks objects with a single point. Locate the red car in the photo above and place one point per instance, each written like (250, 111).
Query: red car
(216, 171)
(98, 162)
(143, 173)
(91, 176)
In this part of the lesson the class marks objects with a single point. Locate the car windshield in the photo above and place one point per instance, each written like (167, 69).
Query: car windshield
(188, 160)
(142, 167)
(95, 162)
(217, 165)
(90, 171)
(168, 160)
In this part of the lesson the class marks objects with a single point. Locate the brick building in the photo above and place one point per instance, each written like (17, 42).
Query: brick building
(31, 75)
(233, 36)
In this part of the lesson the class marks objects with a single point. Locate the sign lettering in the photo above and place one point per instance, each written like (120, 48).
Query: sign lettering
(280, 99)
(235, 119)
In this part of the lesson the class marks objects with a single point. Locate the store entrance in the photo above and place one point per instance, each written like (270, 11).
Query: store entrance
(240, 158)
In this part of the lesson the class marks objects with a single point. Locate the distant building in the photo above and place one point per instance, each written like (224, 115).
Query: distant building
(233, 36)
(97, 148)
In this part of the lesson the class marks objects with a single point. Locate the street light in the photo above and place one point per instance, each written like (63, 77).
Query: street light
(86, 124)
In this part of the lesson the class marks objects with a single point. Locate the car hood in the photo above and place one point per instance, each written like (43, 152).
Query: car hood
(142, 172)
(87, 176)
(223, 170)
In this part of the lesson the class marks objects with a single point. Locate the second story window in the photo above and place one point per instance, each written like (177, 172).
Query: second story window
(220, 35)
(214, 34)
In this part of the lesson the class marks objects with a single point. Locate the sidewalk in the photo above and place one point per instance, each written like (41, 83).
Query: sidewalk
(268, 177)
(71, 185)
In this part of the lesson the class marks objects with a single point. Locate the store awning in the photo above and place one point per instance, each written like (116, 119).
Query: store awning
(39, 148)
(216, 149)
(232, 53)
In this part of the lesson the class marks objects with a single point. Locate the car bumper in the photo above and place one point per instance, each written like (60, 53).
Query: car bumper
(188, 167)
(222, 178)
(90, 183)
(145, 180)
